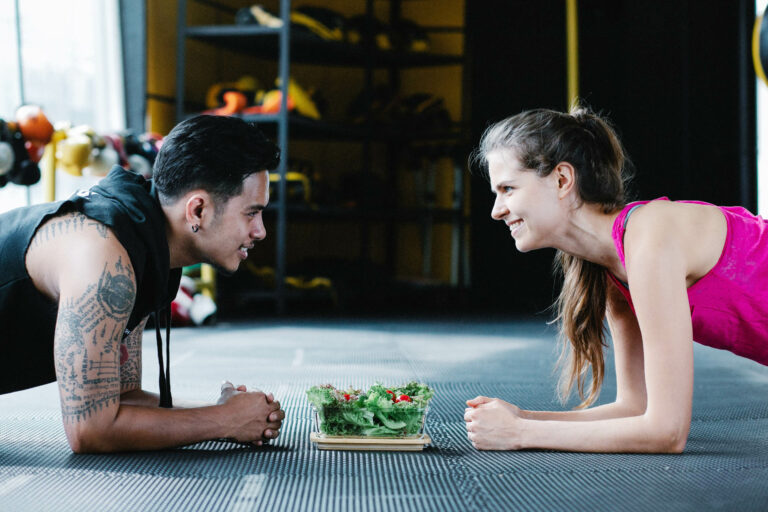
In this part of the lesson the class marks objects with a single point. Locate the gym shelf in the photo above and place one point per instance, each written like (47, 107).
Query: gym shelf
(308, 49)
(288, 46)
(306, 128)
(310, 212)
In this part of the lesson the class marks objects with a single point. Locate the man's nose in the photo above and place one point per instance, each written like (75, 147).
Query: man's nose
(258, 231)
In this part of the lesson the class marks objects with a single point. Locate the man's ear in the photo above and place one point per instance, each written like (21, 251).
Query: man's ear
(566, 178)
(197, 207)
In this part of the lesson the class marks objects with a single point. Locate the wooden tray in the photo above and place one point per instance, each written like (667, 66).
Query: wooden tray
(384, 444)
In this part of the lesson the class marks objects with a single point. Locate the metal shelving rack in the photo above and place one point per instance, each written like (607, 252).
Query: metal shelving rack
(281, 42)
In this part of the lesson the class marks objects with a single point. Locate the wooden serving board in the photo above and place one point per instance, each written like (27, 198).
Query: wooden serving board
(384, 444)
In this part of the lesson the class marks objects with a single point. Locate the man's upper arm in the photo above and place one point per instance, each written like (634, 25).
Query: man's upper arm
(97, 291)
(130, 359)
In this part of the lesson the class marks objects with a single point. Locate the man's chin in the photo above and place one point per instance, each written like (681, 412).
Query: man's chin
(223, 270)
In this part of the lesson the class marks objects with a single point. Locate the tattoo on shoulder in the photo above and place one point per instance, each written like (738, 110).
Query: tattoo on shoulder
(67, 224)
(89, 329)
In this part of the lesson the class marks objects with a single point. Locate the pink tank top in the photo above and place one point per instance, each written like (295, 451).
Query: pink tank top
(729, 305)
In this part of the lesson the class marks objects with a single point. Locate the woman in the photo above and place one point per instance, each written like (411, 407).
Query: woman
(662, 273)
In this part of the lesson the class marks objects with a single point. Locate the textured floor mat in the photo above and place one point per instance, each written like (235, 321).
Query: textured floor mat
(725, 464)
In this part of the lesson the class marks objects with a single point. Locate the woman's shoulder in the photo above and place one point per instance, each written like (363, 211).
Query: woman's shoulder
(695, 230)
(664, 215)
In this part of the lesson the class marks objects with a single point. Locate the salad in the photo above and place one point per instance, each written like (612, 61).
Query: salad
(380, 411)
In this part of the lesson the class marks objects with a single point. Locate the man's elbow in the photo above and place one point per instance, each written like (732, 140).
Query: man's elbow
(87, 440)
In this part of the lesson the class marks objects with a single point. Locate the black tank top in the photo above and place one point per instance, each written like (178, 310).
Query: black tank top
(125, 202)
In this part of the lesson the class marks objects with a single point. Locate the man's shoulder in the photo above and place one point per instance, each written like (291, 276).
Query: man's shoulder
(74, 228)
(73, 244)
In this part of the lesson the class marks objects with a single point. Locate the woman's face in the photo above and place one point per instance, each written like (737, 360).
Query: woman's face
(527, 204)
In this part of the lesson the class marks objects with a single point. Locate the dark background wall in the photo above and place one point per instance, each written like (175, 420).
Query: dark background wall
(675, 78)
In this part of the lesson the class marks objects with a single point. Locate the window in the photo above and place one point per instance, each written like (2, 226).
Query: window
(71, 65)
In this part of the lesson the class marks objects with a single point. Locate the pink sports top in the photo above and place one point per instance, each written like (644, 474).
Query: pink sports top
(729, 304)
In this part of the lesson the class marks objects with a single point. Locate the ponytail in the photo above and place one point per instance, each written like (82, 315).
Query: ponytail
(580, 313)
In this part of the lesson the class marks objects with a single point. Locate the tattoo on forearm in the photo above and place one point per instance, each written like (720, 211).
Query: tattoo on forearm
(67, 224)
(88, 333)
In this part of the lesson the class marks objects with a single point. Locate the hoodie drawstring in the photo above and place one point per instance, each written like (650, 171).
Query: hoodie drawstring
(165, 373)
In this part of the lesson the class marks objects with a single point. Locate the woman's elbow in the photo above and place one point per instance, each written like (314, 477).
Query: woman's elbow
(670, 437)
(676, 441)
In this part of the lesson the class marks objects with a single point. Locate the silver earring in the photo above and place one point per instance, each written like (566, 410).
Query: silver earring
(195, 228)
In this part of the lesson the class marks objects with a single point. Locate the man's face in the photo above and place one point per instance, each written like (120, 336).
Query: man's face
(238, 224)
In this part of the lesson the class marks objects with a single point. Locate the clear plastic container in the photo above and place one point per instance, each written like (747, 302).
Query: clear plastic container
(345, 420)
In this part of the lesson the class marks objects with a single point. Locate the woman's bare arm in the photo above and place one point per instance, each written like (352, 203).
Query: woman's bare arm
(657, 269)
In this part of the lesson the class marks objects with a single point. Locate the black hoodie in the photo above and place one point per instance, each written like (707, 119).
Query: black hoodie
(128, 204)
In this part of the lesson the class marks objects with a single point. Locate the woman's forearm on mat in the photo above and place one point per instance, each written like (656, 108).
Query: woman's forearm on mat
(601, 412)
(637, 434)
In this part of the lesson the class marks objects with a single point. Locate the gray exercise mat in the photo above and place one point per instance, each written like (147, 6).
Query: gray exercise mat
(724, 467)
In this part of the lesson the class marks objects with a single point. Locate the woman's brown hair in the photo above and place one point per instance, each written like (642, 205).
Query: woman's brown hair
(541, 139)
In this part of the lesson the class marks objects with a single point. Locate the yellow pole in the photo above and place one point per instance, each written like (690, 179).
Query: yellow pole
(208, 280)
(572, 42)
(756, 50)
(48, 164)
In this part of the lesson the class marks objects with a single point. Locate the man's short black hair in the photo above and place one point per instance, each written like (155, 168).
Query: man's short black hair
(213, 153)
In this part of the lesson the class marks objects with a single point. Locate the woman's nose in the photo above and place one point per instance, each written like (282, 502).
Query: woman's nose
(499, 210)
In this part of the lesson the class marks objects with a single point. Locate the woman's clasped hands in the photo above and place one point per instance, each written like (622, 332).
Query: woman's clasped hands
(494, 424)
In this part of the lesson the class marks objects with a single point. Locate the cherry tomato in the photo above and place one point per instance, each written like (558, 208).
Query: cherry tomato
(403, 398)
(346, 397)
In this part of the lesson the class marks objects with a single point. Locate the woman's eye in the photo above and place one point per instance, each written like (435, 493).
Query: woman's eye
(508, 189)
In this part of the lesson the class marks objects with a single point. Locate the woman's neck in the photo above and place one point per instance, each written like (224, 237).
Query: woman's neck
(589, 236)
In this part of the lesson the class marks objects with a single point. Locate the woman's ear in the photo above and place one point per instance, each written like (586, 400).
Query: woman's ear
(566, 178)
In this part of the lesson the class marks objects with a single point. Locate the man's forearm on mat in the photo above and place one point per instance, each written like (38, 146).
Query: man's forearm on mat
(148, 399)
(152, 428)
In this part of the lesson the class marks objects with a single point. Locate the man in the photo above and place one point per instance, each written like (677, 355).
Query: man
(79, 279)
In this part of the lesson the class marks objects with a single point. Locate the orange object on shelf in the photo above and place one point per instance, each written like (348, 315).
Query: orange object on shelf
(271, 103)
(234, 103)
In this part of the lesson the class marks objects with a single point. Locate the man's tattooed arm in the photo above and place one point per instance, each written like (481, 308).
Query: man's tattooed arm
(89, 330)
(130, 359)
(68, 224)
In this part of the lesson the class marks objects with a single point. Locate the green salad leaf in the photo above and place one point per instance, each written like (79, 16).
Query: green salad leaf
(380, 411)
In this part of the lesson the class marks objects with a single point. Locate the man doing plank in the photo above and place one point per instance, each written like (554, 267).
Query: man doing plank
(79, 279)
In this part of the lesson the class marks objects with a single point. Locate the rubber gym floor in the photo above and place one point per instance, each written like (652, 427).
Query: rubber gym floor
(724, 466)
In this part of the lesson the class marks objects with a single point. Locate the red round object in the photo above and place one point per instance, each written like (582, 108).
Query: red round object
(33, 124)
(35, 150)
(403, 398)
(346, 397)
